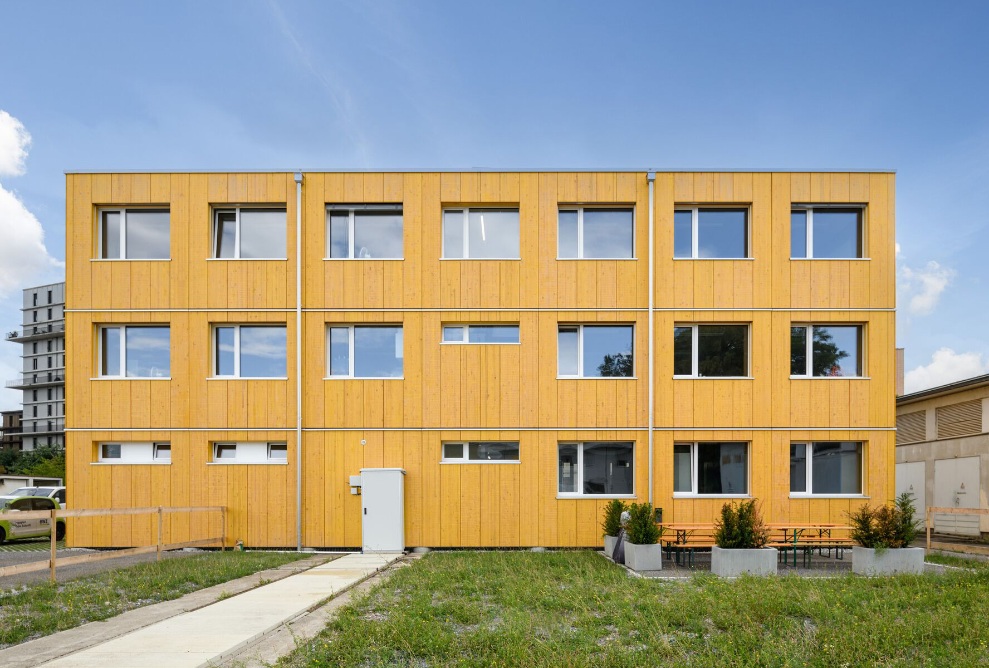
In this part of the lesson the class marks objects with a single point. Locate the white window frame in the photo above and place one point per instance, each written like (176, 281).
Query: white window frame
(248, 453)
(580, 351)
(123, 351)
(466, 334)
(809, 350)
(236, 327)
(466, 210)
(694, 494)
(695, 239)
(351, 210)
(695, 349)
(352, 358)
(135, 453)
(465, 456)
(579, 483)
(123, 233)
(809, 245)
(236, 210)
(809, 474)
(580, 230)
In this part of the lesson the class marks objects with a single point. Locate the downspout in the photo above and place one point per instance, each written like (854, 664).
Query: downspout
(298, 361)
(651, 176)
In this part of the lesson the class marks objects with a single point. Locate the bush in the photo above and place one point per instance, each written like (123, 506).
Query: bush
(889, 526)
(613, 517)
(641, 529)
(740, 527)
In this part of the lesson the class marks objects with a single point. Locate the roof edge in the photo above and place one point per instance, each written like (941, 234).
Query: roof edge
(967, 384)
(483, 170)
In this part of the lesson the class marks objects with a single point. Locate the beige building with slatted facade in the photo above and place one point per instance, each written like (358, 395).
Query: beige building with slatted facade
(942, 452)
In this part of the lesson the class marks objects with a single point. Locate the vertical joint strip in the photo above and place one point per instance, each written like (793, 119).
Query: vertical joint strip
(298, 361)
(651, 177)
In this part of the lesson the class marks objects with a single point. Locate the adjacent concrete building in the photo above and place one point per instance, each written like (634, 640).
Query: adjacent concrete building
(10, 431)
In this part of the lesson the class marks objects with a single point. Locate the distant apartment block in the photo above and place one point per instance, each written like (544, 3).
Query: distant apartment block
(42, 380)
(10, 430)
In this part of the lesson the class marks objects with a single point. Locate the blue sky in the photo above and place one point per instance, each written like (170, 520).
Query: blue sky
(280, 84)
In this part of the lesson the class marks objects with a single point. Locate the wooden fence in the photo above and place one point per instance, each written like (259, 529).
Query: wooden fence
(955, 547)
(158, 547)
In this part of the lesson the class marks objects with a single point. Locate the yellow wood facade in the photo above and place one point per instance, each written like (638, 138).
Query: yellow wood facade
(467, 392)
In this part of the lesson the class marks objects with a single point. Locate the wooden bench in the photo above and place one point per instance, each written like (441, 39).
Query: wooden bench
(807, 544)
(679, 543)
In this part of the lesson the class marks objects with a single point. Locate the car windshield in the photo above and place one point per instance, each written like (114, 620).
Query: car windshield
(23, 491)
(42, 491)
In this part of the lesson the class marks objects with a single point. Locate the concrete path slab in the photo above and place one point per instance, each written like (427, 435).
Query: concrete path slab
(206, 635)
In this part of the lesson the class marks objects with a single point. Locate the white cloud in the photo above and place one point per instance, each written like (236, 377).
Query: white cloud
(946, 366)
(23, 256)
(921, 288)
(897, 249)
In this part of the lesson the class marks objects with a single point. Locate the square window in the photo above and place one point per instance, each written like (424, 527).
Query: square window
(481, 334)
(250, 351)
(256, 234)
(829, 232)
(826, 468)
(224, 452)
(711, 351)
(163, 452)
(134, 234)
(712, 469)
(278, 452)
(596, 233)
(499, 452)
(826, 351)
(110, 451)
(595, 351)
(132, 351)
(364, 232)
(596, 469)
(720, 233)
(487, 234)
(365, 351)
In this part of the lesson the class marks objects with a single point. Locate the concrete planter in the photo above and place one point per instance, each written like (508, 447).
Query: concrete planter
(732, 563)
(644, 557)
(609, 545)
(867, 561)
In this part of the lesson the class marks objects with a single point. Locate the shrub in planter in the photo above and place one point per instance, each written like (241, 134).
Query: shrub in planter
(740, 537)
(612, 524)
(884, 535)
(642, 551)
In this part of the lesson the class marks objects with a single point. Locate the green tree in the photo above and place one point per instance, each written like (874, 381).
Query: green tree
(827, 354)
(619, 364)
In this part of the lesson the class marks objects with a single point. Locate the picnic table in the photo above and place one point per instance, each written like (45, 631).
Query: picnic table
(684, 539)
(808, 537)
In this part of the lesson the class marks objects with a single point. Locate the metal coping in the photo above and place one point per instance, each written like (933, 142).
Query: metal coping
(485, 170)
(968, 383)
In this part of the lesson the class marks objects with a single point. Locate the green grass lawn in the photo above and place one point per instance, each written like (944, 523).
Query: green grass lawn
(576, 609)
(42, 609)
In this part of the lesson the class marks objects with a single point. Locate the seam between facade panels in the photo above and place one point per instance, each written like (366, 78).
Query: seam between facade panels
(502, 429)
(786, 309)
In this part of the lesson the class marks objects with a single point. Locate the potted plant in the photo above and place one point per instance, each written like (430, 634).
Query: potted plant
(884, 535)
(642, 549)
(612, 524)
(740, 538)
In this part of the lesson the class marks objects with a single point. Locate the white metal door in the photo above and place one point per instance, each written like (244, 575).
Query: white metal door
(911, 477)
(956, 485)
(383, 510)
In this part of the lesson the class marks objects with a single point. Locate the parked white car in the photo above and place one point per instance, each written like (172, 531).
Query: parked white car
(57, 493)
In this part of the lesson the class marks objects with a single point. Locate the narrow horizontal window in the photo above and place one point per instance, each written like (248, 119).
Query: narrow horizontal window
(134, 234)
(711, 351)
(595, 351)
(596, 233)
(480, 333)
(491, 234)
(828, 232)
(710, 233)
(135, 453)
(596, 469)
(506, 452)
(716, 469)
(364, 232)
(826, 351)
(826, 468)
(133, 351)
(249, 351)
(250, 452)
(250, 234)
(365, 351)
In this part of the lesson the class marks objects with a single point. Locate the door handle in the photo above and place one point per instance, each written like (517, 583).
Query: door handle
(365, 511)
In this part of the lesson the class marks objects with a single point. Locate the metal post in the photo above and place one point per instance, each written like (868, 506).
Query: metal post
(651, 177)
(928, 528)
(51, 562)
(160, 521)
(223, 528)
(298, 361)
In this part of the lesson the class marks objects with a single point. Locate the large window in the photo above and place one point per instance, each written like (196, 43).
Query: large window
(135, 453)
(364, 231)
(365, 351)
(596, 233)
(487, 234)
(595, 351)
(711, 351)
(718, 469)
(596, 469)
(134, 234)
(249, 234)
(250, 351)
(128, 351)
(826, 232)
(250, 453)
(831, 468)
(710, 233)
(480, 333)
(826, 350)
(496, 452)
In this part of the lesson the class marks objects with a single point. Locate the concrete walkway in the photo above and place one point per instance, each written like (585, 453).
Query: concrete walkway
(208, 634)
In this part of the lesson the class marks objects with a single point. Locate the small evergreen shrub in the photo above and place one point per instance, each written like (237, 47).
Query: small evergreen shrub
(612, 523)
(641, 529)
(740, 527)
(889, 526)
